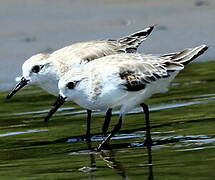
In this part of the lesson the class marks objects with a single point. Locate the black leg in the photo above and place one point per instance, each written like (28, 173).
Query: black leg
(88, 119)
(114, 131)
(150, 165)
(106, 122)
(148, 140)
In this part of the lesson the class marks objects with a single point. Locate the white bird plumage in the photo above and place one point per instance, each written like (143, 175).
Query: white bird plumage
(123, 80)
(55, 65)
(45, 70)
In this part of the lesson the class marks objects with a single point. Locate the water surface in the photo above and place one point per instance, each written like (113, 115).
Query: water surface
(183, 131)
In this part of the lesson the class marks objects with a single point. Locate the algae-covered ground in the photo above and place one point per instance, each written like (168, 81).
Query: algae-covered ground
(183, 131)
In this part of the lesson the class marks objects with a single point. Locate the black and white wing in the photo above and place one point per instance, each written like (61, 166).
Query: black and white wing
(137, 75)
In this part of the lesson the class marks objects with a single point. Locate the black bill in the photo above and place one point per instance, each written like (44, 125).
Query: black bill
(19, 86)
(58, 103)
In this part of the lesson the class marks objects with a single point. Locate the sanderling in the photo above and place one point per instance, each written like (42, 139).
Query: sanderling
(46, 69)
(122, 81)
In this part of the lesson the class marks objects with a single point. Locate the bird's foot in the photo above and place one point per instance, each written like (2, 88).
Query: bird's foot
(102, 146)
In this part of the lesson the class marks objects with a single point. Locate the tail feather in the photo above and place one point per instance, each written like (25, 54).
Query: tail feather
(132, 41)
(186, 56)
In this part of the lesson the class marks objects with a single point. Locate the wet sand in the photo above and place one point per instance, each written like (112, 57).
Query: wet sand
(29, 27)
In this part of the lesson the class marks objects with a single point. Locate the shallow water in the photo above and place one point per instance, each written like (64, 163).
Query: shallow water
(182, 128)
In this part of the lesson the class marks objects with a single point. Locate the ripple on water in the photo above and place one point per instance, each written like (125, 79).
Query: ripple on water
(204, 98)
(161, 140)
(23, 132)
(43, 111)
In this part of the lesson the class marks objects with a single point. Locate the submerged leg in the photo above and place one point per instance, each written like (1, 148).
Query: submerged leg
(148, 140)
(88, 119)
(150, 165)
(114, 131)
(106, 122)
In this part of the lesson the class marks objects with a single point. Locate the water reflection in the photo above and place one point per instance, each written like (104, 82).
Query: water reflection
(109, 157)
(115, 152)
(150, 165)
(160, 139)
(92, 167)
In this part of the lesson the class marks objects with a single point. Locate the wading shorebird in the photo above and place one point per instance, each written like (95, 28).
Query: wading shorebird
(45, 70)
(122, 81)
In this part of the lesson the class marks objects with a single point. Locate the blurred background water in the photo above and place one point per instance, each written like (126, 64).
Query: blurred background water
(29, 26)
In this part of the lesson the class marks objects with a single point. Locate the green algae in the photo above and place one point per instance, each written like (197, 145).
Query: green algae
(183, 129)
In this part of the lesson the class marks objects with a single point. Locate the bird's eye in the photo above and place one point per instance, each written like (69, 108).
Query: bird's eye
(70, 85)
(36, 69)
